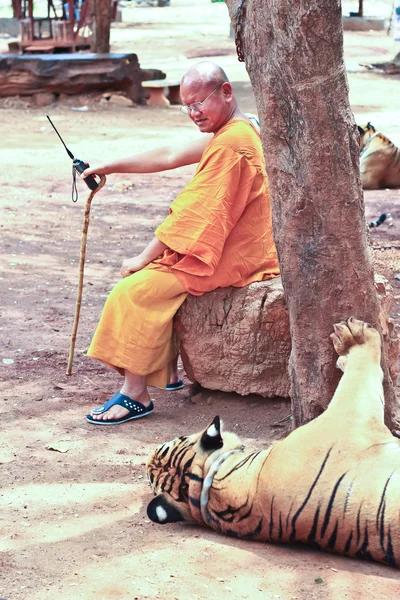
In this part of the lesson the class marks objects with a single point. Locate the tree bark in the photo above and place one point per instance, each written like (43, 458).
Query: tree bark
(294, 57)
(102, 11)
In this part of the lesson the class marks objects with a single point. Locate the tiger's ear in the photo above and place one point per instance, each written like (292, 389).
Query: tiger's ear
(371, 127)
(360, 130)
(160, 511)
(212, 439)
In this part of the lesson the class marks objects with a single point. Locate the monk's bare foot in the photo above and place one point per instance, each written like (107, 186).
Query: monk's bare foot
(117, 412)
(112, 414)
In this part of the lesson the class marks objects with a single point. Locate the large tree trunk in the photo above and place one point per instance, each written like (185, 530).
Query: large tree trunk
(294, 57)
(102, 11)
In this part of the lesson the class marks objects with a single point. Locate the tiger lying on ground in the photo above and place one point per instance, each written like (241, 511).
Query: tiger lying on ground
(333, 483)
(379, 160)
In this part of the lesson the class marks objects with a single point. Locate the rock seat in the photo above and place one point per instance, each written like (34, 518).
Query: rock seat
(238, 339)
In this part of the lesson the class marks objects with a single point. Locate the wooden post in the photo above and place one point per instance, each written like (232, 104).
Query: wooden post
(103, 24)
(30, 16)
(17, 10)
(71, 22)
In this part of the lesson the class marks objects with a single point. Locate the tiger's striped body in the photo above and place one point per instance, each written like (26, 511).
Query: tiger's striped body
(333, 484)
(379, 160)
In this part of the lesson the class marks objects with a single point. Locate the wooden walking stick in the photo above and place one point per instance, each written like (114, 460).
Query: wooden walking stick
(79, 166)
(81, 272)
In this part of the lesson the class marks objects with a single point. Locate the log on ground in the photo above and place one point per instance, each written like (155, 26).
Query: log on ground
(72, 74)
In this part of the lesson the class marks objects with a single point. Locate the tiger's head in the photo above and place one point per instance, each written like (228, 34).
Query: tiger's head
(176, 472)
(366, 132)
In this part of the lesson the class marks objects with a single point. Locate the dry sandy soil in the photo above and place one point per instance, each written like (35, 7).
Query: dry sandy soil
(73, 496)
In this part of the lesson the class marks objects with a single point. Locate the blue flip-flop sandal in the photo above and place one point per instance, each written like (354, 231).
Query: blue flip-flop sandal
(178, 385)
(136, 410)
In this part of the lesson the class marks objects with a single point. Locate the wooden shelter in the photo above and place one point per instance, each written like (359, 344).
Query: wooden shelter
(66, 28)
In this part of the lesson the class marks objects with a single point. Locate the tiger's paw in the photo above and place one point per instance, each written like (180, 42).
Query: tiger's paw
(352, 333)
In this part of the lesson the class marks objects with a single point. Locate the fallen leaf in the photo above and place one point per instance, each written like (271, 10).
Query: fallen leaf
(58, 448)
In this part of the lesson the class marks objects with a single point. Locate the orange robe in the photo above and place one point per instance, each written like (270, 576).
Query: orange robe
(135, 331)
(219, 234)
(220, 226)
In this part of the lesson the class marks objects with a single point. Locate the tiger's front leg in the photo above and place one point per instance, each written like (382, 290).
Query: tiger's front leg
(359, 394)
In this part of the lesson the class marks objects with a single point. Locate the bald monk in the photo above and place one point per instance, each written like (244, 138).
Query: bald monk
(218, 234)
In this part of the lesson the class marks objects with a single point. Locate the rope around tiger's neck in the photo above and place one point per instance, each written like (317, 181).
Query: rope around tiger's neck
(208, 480)
(367, 143)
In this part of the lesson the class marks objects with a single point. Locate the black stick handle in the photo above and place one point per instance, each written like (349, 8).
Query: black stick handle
(90, 181)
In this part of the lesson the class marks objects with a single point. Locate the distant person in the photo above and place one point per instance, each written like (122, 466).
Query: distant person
(218, 234)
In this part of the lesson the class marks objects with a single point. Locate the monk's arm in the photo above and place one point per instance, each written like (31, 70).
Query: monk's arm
(152, 251)
(152, 161)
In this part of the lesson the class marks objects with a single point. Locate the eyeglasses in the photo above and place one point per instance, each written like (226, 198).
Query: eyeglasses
(187, 108)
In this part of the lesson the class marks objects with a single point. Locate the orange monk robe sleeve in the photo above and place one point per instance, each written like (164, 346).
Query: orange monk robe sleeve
(205, 212)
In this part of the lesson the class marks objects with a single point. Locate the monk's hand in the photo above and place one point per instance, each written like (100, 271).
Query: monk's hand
(96, 169)
(131, 265)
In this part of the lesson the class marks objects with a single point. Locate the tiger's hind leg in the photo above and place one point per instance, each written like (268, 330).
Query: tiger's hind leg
(359, 394)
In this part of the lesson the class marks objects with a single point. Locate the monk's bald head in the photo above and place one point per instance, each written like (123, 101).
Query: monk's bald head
(207, 96)
(205, 73)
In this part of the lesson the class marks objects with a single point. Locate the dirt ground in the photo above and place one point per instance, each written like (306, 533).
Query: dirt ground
(73, 496)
